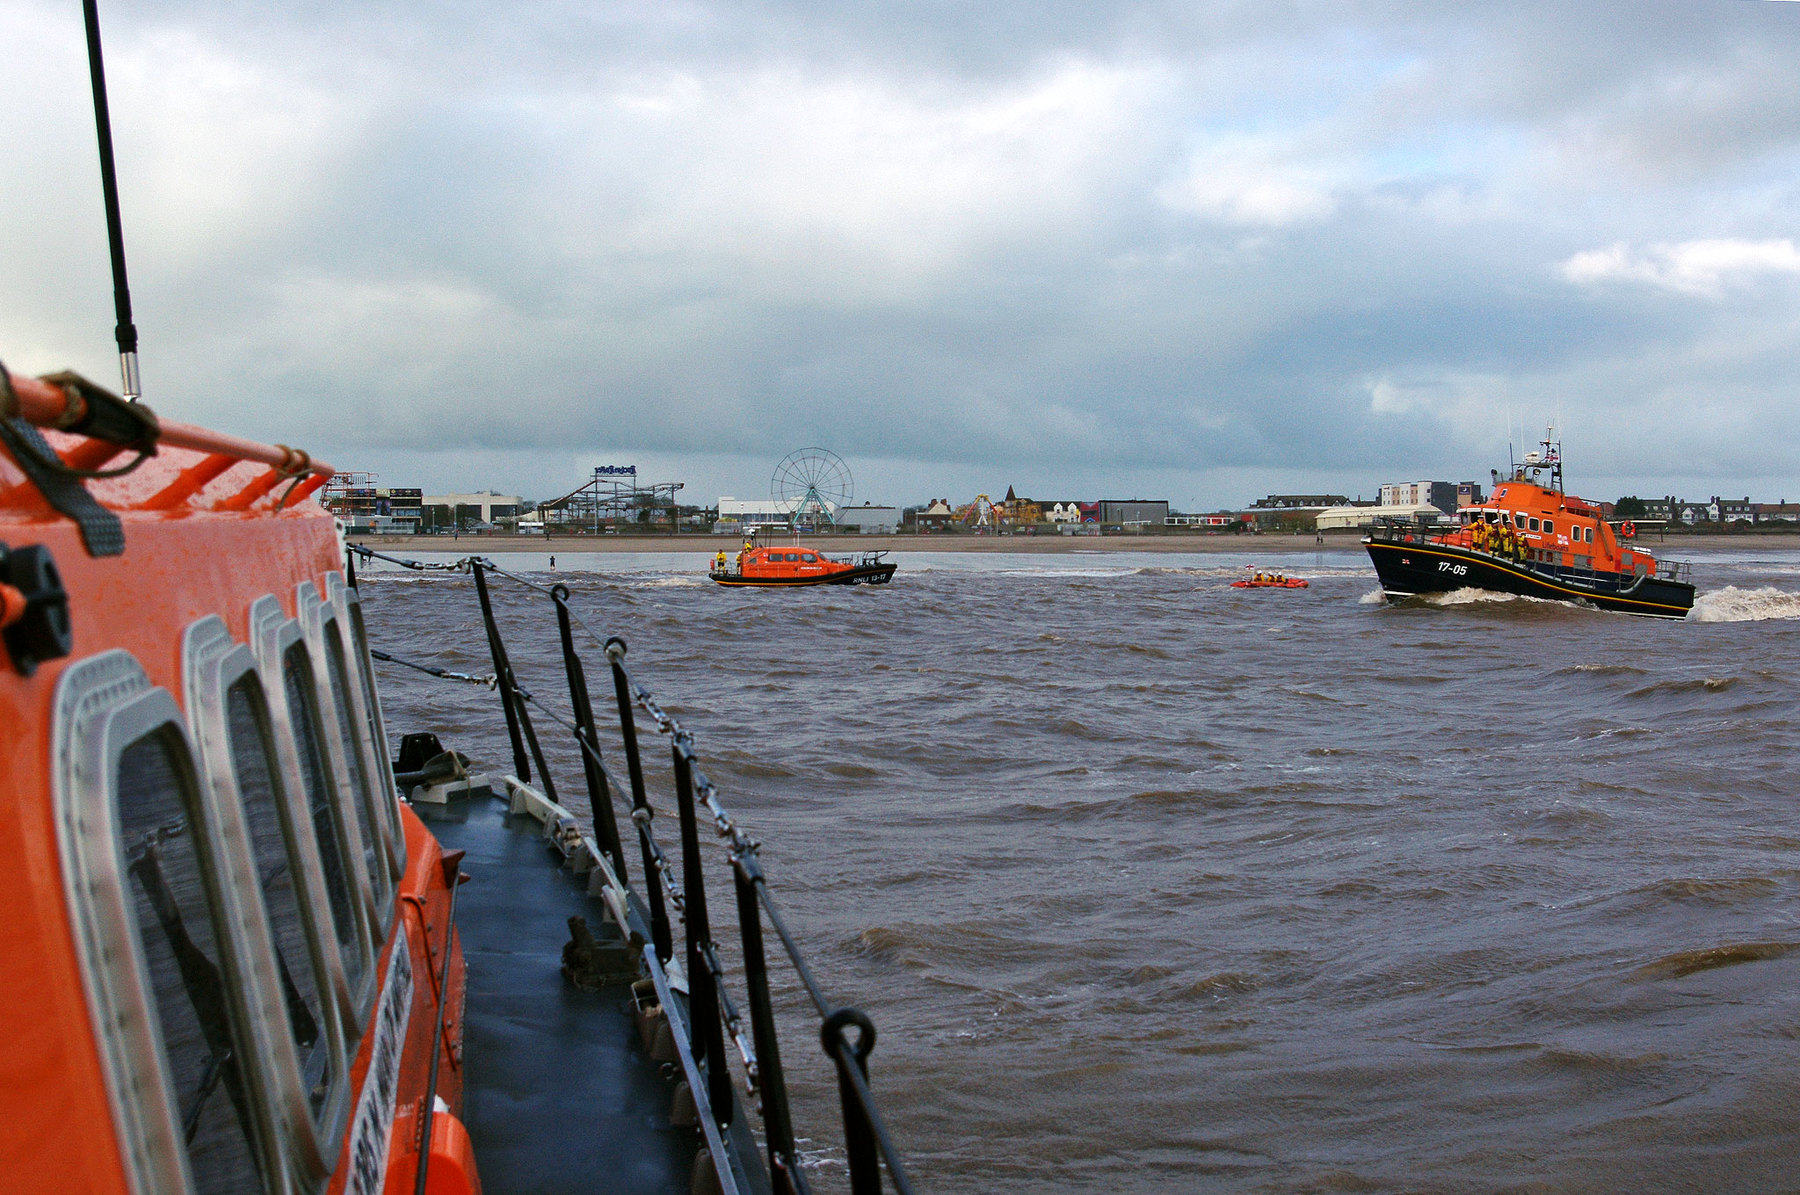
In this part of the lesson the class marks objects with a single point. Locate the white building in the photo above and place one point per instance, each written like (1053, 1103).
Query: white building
(484, 508)
(1338, 518)
(869, 519)
(742, 514)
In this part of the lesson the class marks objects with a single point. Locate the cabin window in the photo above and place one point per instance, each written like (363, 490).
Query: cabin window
(362, 796)
(1534, 524)
(328, 832)
(359, 647)
(155, 794)
(1549, 527)
(264, 806)
(809, 558)
(1587, 534)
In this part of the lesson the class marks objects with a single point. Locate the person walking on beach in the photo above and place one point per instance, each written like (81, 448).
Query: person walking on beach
(553, 562)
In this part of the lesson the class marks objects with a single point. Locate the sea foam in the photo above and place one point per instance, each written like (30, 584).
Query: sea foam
(1732, 604)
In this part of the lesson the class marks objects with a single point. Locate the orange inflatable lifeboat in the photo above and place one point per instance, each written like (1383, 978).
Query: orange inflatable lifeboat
(1270, 581)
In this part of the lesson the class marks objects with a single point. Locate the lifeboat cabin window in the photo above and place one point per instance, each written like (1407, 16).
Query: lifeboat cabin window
(176, 924)
(327, 823)
(1549, 527)
(140, 874)
(362, 795)
(348, 764)
(375, 741)
(264, 804)
(809, 558)
(276, 945)
(1534, 524)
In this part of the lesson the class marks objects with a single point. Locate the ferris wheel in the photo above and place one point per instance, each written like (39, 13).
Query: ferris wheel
(814, 483)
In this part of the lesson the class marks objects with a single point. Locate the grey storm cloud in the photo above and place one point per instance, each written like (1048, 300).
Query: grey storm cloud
(1190, 246)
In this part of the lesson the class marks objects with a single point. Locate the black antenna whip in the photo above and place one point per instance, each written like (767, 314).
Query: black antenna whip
(126, 332)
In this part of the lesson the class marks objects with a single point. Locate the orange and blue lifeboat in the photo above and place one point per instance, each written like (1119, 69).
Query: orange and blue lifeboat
(793, 565)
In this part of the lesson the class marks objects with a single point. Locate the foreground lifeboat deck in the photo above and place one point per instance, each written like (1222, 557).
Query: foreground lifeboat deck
(228, 954)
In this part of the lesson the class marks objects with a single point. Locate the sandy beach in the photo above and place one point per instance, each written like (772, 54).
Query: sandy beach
(1674, 546)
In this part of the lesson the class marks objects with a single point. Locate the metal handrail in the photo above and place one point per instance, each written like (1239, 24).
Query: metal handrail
(847, 1035)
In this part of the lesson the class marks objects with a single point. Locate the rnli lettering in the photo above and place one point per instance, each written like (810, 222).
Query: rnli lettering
(375, 1106)
(1450, 566)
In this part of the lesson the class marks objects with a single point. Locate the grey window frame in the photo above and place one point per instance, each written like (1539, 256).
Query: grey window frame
(379, 892)
(213, 663)
(104, 704)
(366, 707)
(273, 634)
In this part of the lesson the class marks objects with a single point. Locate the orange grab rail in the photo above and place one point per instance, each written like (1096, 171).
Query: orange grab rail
(46, 405)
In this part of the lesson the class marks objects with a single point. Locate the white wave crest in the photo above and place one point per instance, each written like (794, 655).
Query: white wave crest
(674, 583)
(1470, 596)
(1732, 604)
(1081, 573)
(1374, 598)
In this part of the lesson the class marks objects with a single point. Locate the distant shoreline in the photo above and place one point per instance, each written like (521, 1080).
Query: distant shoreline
(701, 543)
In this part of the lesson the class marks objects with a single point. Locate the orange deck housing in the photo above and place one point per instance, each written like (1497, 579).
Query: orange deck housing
(211, 524)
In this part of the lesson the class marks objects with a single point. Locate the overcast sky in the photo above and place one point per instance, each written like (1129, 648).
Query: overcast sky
(1201, 251)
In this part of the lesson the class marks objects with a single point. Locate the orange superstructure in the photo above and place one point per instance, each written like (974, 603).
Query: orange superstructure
(225, 936)
(1548, 526)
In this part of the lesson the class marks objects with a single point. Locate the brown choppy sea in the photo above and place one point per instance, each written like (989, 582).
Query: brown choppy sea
(1151, 884)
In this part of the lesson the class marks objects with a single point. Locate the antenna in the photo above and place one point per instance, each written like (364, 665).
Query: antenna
(125, 332)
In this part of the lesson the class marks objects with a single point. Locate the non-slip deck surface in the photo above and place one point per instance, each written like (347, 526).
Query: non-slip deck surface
(558, 1094)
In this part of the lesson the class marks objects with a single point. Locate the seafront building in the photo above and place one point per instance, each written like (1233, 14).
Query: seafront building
(1675, 511)
(468, 512)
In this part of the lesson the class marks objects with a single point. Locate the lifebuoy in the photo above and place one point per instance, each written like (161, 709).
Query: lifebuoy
(1627, 529)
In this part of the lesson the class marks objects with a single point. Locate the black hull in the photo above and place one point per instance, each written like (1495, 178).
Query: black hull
(868, 574)
(1409, 569)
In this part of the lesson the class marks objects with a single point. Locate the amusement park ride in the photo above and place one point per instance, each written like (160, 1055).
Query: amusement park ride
(613, 496)
(812, 484)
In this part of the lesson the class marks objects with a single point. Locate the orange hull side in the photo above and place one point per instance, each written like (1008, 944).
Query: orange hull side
(177, 567)
(188, 554)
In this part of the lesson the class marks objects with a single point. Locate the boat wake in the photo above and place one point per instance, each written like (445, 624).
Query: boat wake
(1732, 604)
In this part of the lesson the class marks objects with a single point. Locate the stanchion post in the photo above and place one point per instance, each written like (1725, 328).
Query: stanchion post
(599, 792)
(860, 1146)
(502, 674)
(705, 1029)
(778, 1124)
(660, 936)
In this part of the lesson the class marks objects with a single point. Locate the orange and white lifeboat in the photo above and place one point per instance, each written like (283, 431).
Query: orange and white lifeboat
(228, 955)
(793, 565)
